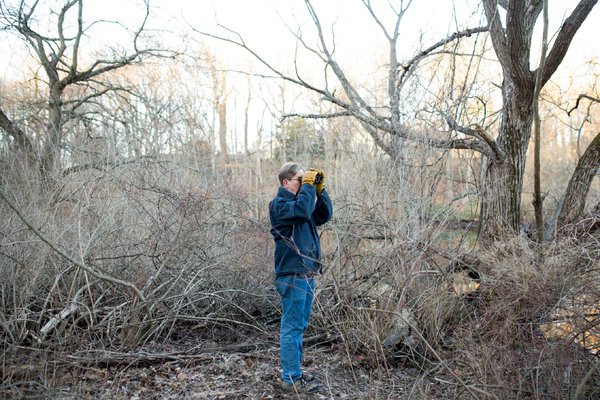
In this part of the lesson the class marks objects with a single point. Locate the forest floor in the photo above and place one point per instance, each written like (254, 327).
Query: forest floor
(196, 368)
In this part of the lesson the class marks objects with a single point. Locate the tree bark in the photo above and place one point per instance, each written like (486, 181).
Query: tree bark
(51, 151)
(503, 182)
(22, 142)
(579, 184)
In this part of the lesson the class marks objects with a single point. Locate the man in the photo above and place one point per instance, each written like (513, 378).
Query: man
(301, 204)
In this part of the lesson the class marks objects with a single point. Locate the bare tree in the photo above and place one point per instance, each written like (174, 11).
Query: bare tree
(501, 197)
(220, 95)
(61, 56)
(511, 33)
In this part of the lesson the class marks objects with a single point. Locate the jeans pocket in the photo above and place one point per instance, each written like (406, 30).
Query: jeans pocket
(284, 284)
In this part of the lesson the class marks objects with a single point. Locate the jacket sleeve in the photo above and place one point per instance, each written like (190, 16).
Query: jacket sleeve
(323, 209)
(297, 210)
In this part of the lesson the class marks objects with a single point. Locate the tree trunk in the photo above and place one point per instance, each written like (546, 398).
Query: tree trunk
(538, 200)
(503, 181)
(223, 130)
(51, 151)
(246, 118)
(220, 107)
(579, 184)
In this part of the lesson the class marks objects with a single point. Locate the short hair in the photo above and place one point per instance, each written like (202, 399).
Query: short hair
(288, 170)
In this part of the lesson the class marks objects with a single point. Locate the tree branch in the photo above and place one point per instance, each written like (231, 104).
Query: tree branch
(496, 30)
(75, 52)
(503, 4)
(479, 133)
(363, 113)
(351, 92)
(565, 36)
(409, 67)
(21, 139)
(103, 164)
(582, 96)
(459, 144)
(520, 21)
(579, 184)
(319, 116)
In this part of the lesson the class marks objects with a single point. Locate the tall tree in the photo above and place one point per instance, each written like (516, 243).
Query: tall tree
(511, 32)
(220, 95)
(511, 38)
(61, 55)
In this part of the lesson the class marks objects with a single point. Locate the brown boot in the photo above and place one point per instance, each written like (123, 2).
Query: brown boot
(301, 385)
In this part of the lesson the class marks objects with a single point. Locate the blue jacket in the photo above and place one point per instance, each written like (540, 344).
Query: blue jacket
(294, 221)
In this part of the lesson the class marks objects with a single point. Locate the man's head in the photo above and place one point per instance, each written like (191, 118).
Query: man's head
(290, 176)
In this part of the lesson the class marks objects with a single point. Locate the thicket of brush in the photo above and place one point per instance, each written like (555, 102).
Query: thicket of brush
(147, 251)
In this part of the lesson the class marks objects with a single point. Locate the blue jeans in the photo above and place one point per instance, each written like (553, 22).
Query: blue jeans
(297, 294)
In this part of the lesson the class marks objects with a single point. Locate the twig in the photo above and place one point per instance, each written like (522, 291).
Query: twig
(582, 96)
(115, 358)
(61, 316)
(66, 256)
(473, 390)
(588, 375)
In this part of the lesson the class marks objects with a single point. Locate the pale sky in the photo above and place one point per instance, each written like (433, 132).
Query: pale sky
(361, 48)
(261, 22)
(358, 37)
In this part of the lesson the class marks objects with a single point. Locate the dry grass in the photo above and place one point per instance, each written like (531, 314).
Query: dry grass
(502, 342)
(187, 249)
(196, 246)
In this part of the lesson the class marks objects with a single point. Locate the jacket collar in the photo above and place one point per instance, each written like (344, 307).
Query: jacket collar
(285, 193)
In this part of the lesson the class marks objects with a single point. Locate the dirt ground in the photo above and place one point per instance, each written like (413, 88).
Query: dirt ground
(205, 369)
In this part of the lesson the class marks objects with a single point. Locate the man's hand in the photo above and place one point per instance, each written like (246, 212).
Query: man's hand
(319, 180)
(310, 176)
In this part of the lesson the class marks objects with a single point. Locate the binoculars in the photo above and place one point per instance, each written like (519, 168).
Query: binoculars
(318, 179)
